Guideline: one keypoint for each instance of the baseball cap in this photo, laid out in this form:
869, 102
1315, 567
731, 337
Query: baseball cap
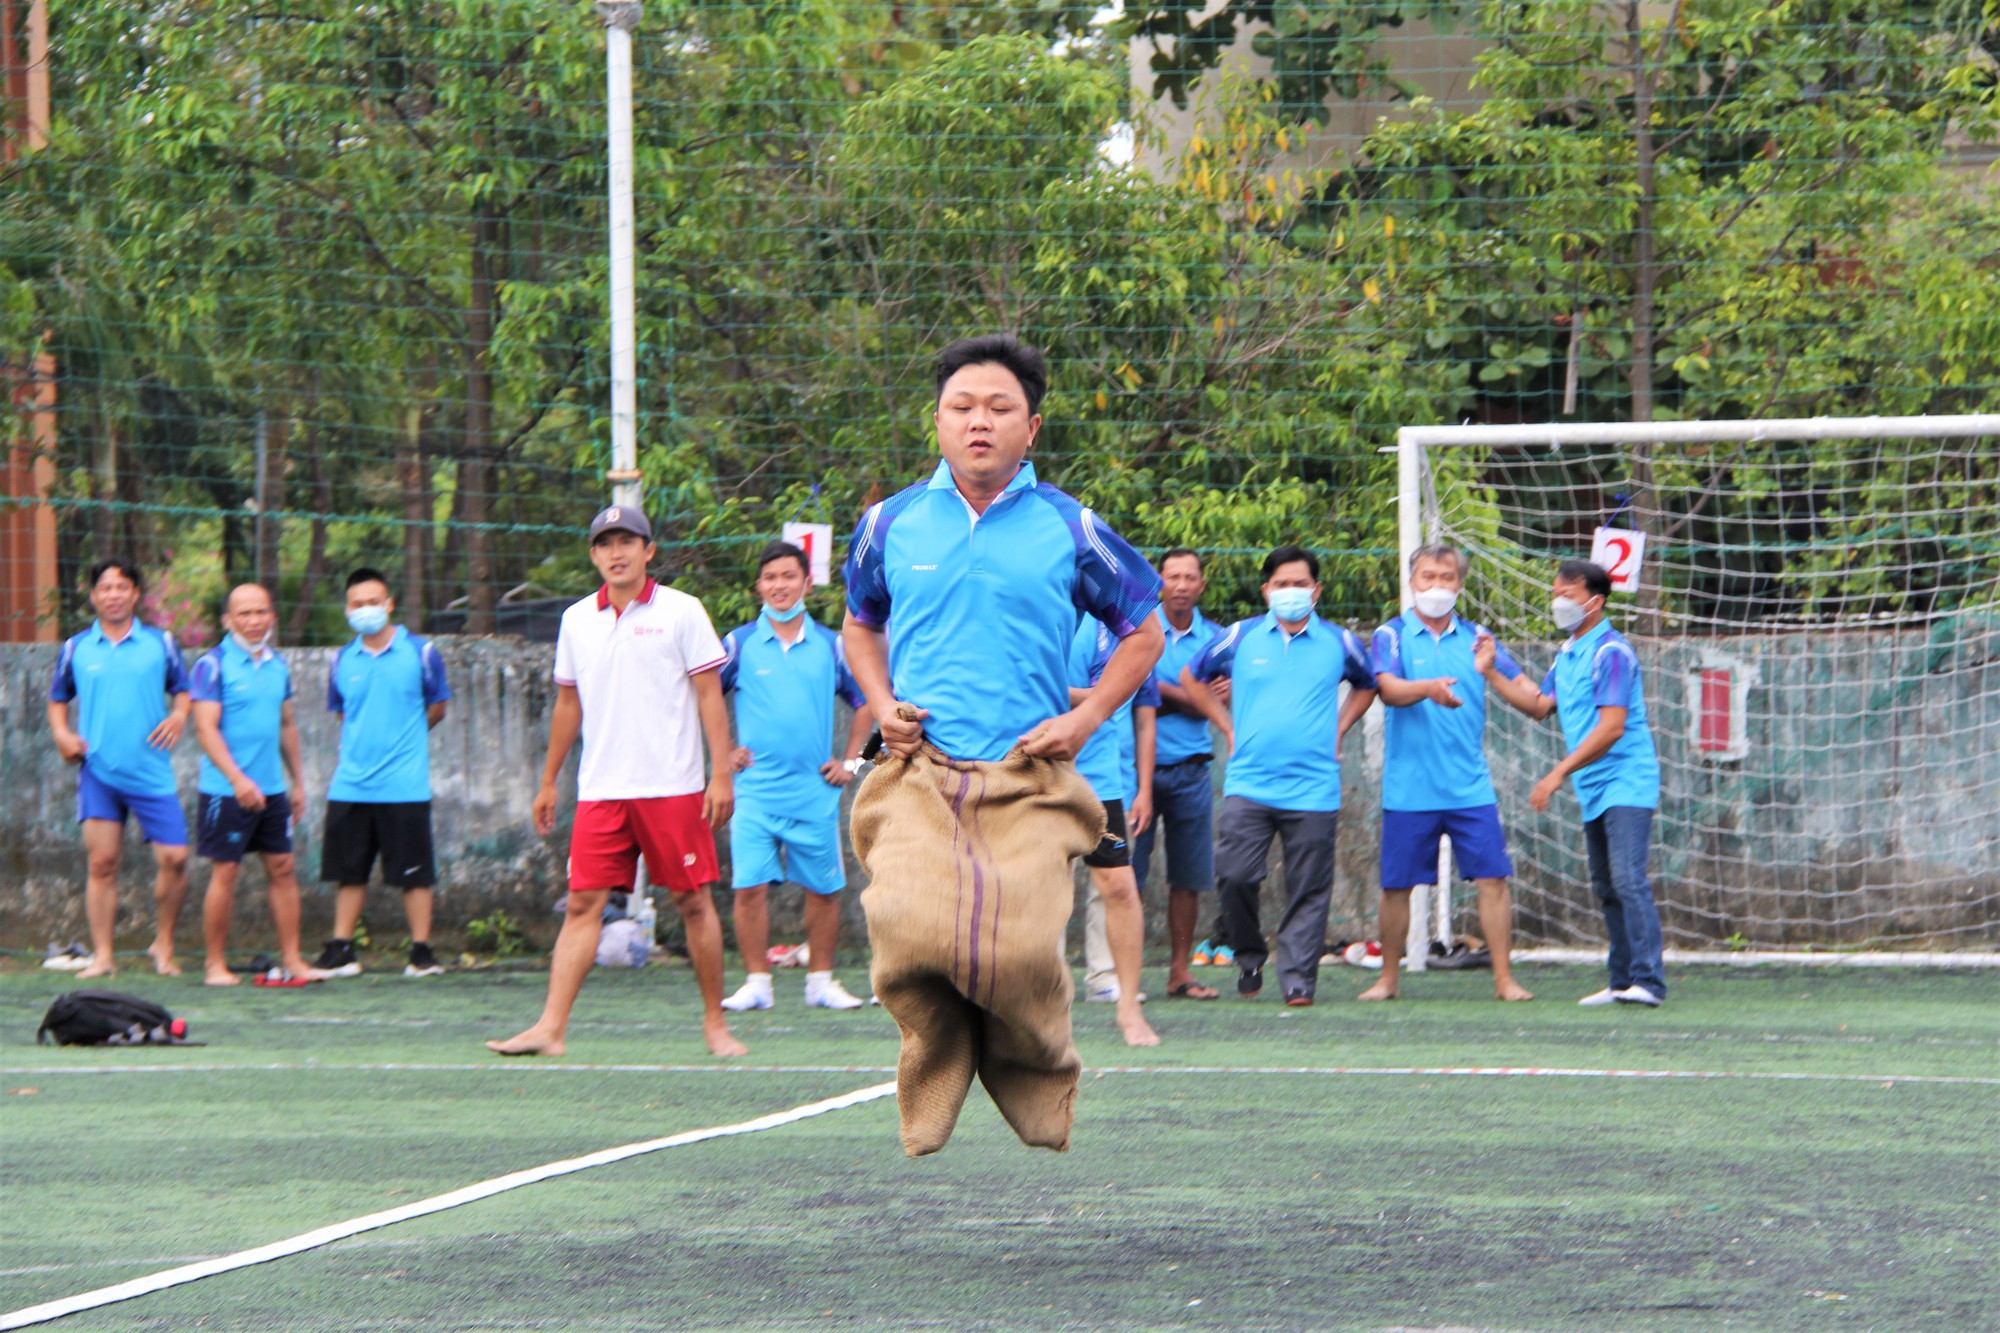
621, 519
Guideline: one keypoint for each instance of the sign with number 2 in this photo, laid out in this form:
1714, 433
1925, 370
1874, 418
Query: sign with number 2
1619, 551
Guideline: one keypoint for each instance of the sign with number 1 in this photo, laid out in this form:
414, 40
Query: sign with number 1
816, 540
1619, 551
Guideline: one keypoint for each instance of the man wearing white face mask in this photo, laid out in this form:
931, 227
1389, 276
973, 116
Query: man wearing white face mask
1283, 779
1434, 776
783, 672
1594, 690
389, 688
252, 782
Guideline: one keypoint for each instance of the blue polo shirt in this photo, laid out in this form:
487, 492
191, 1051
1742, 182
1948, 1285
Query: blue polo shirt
385, 737
1600, 670
1284, 698
121, 690
980, 610
1182, 736
784, 714
1110, 758
252, 692
1434, 758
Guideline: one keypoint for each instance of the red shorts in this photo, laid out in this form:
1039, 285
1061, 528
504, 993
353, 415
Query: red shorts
610, 836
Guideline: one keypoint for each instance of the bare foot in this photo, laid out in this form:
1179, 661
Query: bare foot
531, 1042
218, 974
99, 967
163, 961
1135, 1029
1512, 991
1381, 990
720, 1040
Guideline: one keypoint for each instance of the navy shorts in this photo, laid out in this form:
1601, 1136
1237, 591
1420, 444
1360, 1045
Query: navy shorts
1410, 845
1184, 804
228, 832
162, 822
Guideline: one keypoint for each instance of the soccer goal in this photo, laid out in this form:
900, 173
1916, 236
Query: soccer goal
1816, 607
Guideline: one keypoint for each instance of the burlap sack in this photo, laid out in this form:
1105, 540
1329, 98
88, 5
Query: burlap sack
968, 902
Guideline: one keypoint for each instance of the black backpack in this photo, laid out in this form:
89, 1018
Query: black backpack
109, 1018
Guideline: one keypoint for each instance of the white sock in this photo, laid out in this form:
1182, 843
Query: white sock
760, 981
817, 980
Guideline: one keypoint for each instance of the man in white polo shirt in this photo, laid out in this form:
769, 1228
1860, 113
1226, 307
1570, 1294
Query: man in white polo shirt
636, 679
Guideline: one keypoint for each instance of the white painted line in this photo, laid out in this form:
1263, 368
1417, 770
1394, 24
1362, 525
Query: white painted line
174, 1277
1350, 1071
1972, 959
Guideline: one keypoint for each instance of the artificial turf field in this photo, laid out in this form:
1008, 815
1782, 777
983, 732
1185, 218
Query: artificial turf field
1245, 1175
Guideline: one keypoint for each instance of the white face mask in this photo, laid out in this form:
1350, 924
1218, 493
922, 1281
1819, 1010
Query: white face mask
1567, 612
254, 649
1436, 602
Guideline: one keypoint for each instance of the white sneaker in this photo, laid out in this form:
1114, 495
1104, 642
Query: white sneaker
1637, 995
1599, 997
754, 993
1102, 993
830, 994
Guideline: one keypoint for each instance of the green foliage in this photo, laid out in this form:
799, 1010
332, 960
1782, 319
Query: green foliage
497, 934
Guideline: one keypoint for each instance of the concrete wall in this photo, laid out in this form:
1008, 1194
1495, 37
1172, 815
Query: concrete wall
1867, 805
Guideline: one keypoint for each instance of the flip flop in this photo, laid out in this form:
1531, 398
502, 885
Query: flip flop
1193, 990
277, 976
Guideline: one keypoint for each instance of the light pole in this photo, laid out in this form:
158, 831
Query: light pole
621, 20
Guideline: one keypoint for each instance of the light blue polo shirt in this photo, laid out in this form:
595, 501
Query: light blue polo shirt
385, 737
1110, 758
1600, 670
980, 613
784, 715
1434, 758
121, 693
252, 692
1182, 736
1284, 698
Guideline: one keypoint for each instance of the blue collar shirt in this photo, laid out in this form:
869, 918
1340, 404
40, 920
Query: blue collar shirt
1599, 670
383, 699
120, 688
1109, 761
1182, 736
1285, 701
980, 609
1434, 758
783, 696
252, 691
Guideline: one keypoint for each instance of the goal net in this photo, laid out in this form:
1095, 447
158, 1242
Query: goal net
1817, 615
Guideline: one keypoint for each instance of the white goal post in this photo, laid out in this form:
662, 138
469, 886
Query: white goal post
1735, 467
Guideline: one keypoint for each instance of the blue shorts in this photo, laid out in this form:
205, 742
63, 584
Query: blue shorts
225, 831
765, 848
162, 822
1410, 845
1184, 802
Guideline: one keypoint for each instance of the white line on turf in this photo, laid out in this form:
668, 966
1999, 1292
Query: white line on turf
174, 1277
1353, 1071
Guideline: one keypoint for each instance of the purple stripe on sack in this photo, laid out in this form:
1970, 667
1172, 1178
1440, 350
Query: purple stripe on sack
978, 888
998, 884
958, 903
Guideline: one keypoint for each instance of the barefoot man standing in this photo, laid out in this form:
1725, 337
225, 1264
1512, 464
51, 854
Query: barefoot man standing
636, 681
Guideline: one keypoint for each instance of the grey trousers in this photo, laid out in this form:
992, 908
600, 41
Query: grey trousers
1243, 833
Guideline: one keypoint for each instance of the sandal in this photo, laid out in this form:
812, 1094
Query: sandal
1192, 990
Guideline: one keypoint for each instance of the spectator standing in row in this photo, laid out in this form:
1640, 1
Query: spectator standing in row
108, 711
1283, 780
1183, 804
783, 673
637, 682
252, 781
1595, 691
388, 688
1435, 780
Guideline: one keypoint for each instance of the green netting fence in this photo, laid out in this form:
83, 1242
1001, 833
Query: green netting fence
306, 285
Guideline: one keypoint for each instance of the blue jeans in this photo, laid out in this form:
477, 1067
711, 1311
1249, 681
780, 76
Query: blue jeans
1619, 841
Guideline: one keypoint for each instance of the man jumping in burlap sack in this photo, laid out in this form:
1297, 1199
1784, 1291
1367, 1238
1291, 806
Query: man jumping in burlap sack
963, 593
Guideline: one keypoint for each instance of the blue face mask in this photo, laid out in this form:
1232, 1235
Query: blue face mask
786, 617
366, 620
1291, 604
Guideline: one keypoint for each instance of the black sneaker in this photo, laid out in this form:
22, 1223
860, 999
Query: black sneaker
337, 959
423, 963
1249, 981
